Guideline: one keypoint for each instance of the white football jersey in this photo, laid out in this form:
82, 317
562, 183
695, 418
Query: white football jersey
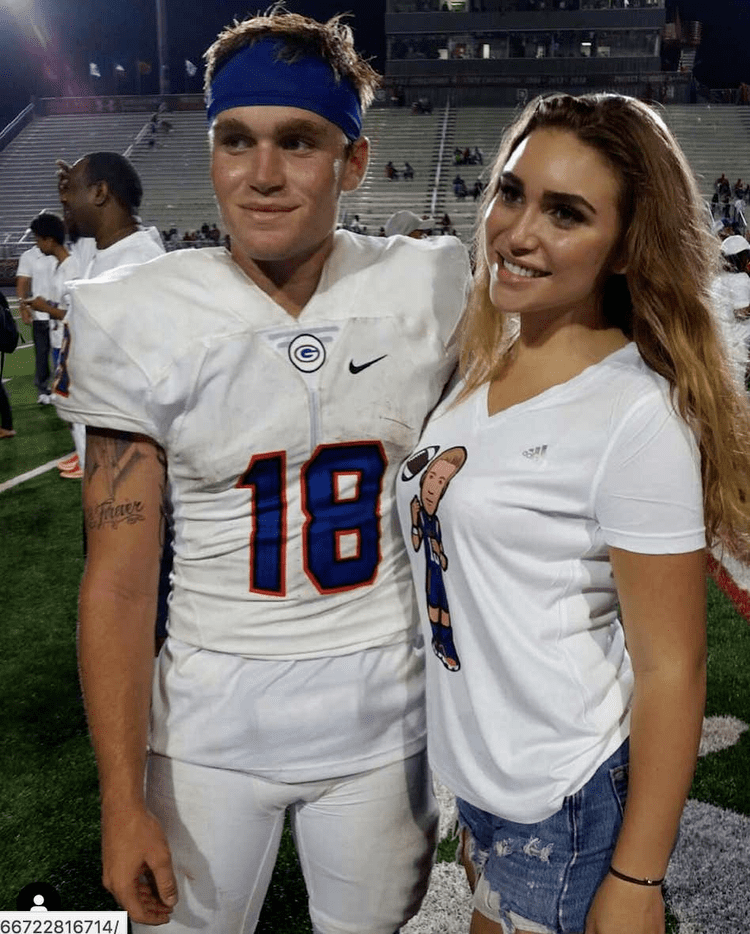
283, 436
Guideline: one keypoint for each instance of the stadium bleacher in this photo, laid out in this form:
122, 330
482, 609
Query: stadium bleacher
178, 191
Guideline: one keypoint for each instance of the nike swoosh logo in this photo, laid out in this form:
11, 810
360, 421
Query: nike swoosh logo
353, 368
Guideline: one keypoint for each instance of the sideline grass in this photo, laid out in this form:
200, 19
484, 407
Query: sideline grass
41, 435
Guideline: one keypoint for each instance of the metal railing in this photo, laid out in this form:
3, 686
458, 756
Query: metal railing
439, 168
15, 126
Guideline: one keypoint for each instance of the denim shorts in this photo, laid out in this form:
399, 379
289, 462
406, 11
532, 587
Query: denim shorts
543, 877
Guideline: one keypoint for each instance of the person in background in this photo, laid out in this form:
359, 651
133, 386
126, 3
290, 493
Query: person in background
6, 414
100, 195
602, 442
33, 278
49, 232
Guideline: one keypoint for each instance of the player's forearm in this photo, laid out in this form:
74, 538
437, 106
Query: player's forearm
115, 650
665, 732
123, 493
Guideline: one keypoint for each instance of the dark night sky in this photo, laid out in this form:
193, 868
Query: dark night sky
46, 45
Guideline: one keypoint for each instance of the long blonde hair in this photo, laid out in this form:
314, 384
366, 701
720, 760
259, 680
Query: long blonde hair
662, 301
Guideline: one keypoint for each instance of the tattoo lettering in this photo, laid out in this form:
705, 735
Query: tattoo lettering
114, 514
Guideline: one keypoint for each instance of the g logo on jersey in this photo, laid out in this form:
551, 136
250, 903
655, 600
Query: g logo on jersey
307, 353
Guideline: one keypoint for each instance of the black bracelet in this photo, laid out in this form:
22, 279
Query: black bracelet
621, 875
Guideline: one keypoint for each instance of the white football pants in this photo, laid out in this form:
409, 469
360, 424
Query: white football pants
365, 843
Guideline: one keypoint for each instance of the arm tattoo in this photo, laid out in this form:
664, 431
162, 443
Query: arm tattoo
114, 454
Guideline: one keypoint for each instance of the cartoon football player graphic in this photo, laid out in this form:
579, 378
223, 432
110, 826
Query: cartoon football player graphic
425, 526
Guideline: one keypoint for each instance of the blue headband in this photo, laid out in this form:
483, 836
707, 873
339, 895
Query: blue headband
256, 75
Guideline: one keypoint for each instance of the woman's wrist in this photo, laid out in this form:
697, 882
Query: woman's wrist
634, 879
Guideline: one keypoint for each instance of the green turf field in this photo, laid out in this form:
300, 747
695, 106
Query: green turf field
48, 792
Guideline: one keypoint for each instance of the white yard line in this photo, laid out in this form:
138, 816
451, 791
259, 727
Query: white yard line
29, 475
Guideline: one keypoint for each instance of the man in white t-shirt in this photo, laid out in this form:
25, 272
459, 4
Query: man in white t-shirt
33, 278
49, 231
267, 396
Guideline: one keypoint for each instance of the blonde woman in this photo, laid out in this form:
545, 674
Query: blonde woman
604, 443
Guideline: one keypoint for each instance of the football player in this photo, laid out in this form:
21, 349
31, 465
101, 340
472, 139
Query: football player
262, 399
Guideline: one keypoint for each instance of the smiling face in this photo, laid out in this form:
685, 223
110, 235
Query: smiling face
278, 173
551, 228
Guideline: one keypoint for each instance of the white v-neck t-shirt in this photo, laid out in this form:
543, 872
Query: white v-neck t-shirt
542, 696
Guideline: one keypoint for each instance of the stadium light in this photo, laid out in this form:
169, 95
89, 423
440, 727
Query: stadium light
21, 9
162, 44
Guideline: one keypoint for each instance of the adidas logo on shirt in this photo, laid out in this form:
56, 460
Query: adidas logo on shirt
535, 453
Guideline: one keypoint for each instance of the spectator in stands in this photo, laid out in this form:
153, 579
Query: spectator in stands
477, 189
721, 186
459, 188
445, 223
33, 278
391, 172
408, 172
477, 156
408, 224
739, 189
422, 105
